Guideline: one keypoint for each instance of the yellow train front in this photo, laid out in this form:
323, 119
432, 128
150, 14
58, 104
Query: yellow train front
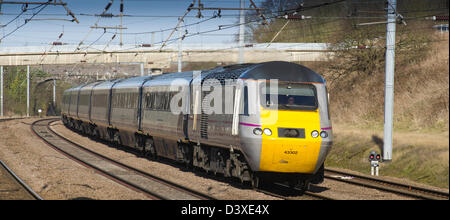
289, 124
283, 130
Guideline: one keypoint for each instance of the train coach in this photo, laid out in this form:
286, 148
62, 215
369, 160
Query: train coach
266, 121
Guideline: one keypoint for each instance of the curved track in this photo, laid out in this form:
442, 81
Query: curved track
17, 189
42, 129
152, 186
387, 186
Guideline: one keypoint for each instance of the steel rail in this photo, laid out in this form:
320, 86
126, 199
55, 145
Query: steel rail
118, 179
388, 186
141, 172
88, 165
9, 119
21, 182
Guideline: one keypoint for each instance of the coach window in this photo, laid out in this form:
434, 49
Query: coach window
148, 101
84, 100
159, 102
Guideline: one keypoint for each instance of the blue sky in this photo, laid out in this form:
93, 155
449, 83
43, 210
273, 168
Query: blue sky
150, 15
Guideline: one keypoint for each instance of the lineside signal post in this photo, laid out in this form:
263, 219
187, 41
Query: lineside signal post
374, 159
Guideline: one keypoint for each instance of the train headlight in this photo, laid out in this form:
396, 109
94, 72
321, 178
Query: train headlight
315, 134
323, 134
257, 131
267, 132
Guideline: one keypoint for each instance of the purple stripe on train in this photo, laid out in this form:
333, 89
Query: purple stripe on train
250, 125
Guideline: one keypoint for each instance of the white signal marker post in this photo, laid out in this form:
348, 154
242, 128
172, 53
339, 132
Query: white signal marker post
54, 93
180, 46
241, 58
28, 90
389, 86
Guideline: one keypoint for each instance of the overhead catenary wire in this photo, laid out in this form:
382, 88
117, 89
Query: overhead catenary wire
53, 44
180, 20
223, 27
24, 9
169, 29
228, 26
276, 35
201, 7
256, 44
42, 7
96, 23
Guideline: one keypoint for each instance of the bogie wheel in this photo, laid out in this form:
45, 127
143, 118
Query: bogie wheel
303, 186
255, 181
150, 149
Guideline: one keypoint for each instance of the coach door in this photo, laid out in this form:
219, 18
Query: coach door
193, 125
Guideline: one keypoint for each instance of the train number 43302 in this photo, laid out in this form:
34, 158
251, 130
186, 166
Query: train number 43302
294, 152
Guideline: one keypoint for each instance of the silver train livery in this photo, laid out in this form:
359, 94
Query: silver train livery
266, 121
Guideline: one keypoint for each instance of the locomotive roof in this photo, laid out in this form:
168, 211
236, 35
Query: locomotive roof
92, 84
106, 84
76, 88
283, 71
134, 82
168, 78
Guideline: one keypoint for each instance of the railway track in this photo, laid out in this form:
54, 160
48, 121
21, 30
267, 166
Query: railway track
9, 119
42, 129
13, 187
387, 186
285, 192
154, 187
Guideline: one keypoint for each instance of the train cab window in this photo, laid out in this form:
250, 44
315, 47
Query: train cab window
290, 97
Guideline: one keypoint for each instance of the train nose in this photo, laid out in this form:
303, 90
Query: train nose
294, 150
296, 143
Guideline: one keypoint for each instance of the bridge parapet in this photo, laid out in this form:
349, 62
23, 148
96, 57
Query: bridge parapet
152, 57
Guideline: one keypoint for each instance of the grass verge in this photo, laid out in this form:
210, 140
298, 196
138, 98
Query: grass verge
418, 156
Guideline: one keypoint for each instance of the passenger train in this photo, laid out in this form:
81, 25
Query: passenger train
256, 122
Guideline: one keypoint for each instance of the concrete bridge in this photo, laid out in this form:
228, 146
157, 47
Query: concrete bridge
151, 57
